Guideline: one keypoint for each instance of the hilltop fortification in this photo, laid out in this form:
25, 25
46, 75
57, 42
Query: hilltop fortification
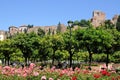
98, 18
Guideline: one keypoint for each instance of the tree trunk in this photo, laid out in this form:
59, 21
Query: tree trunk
90, 57
29, 60
25, 60
5, 61
107, 60
53, 59
34, 60
8, 60
70, 59
90, 60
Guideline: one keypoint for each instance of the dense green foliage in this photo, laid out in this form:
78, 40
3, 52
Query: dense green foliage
85, 44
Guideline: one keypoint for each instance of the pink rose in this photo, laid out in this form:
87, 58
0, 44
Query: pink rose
50, 78
43, 78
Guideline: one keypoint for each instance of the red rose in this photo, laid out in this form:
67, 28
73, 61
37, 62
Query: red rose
96, 76
74, 78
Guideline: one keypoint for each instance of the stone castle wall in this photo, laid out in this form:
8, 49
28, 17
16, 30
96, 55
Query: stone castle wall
114, 19
24, 29
98, 18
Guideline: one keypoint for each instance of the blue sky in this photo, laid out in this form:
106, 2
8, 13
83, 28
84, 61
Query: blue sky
51, 12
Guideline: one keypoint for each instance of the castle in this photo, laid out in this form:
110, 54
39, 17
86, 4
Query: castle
97, 19
26, 29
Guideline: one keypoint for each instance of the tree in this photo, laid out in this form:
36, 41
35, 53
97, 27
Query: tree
27, 43
116, 56
118, 23
30, 26
7, 49
115, 45
49, 31
95, 41
116, 36
108, 24
44, 49
71, 45
59, 27
57, 44
41, 32
82, 23
61, 55
106, 44
76, 23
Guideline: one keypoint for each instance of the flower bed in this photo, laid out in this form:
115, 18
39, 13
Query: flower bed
35, 73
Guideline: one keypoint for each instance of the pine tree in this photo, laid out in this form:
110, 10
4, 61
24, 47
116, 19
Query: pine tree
59, 27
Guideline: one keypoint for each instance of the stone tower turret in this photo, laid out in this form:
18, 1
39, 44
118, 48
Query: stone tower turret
13, 30
98, 18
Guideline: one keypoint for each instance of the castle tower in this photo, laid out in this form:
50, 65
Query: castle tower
61, 28
23, 29
98, 18
114, 19
13, 30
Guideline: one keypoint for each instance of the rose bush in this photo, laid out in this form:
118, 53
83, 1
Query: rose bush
34, 72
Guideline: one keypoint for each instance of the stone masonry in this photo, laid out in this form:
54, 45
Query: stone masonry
98, 18
114, 19
24, 29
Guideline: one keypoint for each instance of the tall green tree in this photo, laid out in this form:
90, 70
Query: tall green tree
59, 28
95, 41
57, 44
116, 36
26, 43
44, 48
107, 43
6, 47
71, 45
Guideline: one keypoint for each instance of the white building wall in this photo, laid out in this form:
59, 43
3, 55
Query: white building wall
1, 37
